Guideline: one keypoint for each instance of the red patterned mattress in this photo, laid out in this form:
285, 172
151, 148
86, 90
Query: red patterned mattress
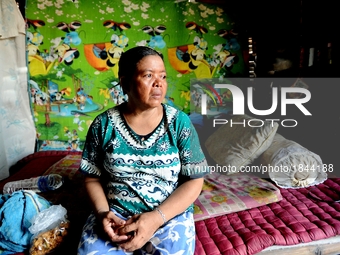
302, 216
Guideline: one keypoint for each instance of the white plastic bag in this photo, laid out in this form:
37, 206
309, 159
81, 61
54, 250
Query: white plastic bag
49, 227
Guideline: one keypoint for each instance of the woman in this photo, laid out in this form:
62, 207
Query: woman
143, 168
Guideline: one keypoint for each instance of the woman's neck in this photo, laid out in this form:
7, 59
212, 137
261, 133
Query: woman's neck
142, 122
134, 110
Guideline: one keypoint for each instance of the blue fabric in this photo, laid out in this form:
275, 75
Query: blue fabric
16, 212
177, 236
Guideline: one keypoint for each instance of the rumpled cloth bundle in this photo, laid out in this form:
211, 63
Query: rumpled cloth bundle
293, 165
16, 213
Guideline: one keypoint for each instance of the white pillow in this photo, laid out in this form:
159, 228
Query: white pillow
291, 165
237, 145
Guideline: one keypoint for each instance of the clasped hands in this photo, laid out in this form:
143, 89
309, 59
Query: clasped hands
133, 233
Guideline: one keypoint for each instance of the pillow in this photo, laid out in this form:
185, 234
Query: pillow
290, 165
67, 166
233, 146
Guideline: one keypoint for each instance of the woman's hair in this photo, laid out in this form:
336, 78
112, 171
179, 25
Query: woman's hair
129, 59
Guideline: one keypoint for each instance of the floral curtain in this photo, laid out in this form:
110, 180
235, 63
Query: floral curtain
74, 47
17, 129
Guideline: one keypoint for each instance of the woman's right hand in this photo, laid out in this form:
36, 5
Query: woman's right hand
111, 225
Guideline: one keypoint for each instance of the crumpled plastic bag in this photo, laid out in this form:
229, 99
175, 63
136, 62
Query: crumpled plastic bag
49, 229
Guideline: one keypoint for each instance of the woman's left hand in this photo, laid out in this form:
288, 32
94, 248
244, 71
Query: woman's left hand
140, 227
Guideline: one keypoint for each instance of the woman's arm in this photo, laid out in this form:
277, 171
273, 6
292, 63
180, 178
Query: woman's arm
96, 195
110, 222
181, 198
146, 224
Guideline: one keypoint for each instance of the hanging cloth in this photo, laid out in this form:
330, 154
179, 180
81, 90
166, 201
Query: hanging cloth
17, 131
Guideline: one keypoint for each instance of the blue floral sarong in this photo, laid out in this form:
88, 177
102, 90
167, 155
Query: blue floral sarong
177, 236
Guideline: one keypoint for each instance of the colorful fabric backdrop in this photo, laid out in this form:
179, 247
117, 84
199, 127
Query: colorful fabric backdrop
74, 47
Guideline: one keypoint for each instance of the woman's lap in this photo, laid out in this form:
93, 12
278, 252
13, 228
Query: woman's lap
176, 236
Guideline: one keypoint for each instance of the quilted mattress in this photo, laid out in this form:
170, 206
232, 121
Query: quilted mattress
303, 215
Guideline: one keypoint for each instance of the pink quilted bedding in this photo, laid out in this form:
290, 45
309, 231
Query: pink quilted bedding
303, 215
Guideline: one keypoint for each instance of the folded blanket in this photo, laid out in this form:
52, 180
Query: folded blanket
16, 212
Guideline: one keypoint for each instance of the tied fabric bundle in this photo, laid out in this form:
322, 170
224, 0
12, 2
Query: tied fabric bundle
16, 213
293, 166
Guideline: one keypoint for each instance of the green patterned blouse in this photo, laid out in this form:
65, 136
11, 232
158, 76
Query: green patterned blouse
139, 173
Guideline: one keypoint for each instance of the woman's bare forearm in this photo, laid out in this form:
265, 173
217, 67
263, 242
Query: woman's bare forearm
181, 198
96, 195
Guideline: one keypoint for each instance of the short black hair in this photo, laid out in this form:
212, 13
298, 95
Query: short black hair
129, 59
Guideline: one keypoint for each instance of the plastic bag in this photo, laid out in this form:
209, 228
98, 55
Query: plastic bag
49, 228
37, 184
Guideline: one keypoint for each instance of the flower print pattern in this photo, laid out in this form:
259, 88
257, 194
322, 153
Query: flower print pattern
176, 237
115, 143
186, 154
164, 146
185, 134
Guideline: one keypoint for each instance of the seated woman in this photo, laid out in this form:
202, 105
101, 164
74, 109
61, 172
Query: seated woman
143, 168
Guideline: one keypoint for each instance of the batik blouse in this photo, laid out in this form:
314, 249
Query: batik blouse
139, 173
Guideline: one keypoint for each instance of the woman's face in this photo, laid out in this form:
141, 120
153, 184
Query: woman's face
148, 86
